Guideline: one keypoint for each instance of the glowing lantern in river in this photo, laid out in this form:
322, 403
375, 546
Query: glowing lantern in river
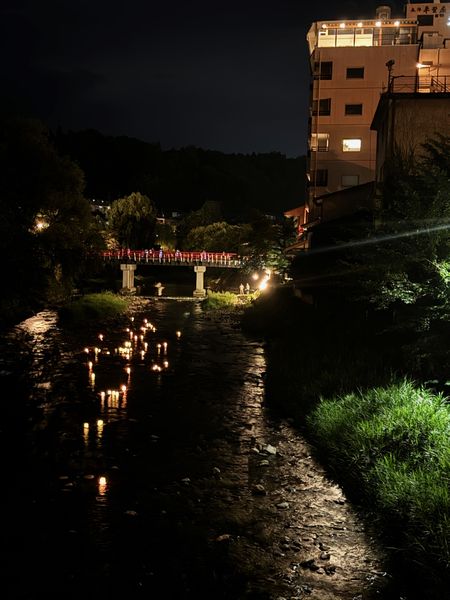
102, 485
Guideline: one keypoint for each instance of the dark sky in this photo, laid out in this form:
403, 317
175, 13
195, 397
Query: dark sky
229, 76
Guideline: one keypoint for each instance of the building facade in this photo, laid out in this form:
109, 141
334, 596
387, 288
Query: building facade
353, 62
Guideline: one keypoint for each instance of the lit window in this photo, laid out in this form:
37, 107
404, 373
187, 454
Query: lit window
351, 145
320, 142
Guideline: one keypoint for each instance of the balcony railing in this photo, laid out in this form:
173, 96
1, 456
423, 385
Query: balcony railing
402, 84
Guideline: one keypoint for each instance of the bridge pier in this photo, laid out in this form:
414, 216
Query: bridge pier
199, 291
128, 270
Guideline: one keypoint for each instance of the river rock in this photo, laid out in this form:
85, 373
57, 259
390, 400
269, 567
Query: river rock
270, 449
259, 490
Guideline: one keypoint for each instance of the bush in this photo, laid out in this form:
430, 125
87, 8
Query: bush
217, 300
93, 307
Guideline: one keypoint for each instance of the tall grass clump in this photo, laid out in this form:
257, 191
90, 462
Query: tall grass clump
93, 307
218, 300
392, 444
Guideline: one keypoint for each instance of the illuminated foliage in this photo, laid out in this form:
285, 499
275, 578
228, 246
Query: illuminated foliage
132, 221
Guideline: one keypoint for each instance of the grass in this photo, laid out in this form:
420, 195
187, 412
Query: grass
93, 307
393, 444
218, 300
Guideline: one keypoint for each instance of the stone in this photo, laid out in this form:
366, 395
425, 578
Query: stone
259, 490
270, 449
310, 564
282, 505
225, 537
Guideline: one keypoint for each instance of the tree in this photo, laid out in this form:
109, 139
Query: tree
415, 232
266, 243
209, 213
217, 237
165, 236
132, 221
46, 229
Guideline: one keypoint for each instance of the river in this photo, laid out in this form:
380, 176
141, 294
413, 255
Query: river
142, 461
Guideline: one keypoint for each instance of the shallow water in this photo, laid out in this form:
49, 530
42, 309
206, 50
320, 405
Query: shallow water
180, 482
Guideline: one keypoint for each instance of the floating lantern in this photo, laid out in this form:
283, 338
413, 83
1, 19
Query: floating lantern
86, 350
178, 334
100, 337
102, 485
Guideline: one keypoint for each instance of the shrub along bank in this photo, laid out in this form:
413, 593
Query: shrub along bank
93, 307
385, 438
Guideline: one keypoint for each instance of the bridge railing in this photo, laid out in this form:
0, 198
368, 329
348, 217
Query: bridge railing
226, 259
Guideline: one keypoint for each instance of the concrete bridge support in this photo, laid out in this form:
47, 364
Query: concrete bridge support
128, 277
199, 291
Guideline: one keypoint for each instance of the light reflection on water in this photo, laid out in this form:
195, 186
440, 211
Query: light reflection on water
119, 416
39, 324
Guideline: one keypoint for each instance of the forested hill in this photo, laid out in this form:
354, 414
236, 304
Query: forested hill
186, 178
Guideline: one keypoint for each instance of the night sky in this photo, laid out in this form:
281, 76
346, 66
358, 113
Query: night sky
230, 76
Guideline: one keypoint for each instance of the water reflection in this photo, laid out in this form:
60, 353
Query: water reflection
156, 427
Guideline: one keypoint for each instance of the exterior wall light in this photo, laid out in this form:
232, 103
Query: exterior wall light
342, 25
397, 23
378, 24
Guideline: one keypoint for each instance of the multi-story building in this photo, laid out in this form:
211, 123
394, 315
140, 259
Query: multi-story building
353, 62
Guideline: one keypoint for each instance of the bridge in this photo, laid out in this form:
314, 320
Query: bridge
129, 259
